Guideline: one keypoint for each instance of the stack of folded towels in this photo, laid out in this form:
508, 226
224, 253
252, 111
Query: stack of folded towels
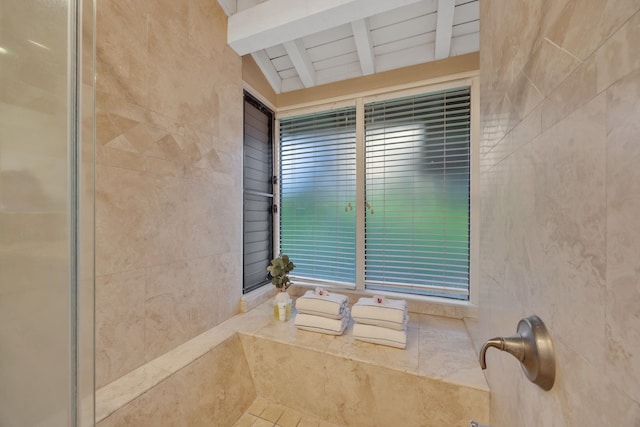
380, 321
321, 311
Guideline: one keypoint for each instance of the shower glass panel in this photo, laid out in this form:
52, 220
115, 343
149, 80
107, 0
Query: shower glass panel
46, 212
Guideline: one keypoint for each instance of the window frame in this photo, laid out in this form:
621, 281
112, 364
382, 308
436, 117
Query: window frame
359, 100
412, 97
310, 156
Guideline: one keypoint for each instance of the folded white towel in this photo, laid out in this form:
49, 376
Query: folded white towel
329, 305
390, 314
379, 335
324, 325
383, 323
377, 301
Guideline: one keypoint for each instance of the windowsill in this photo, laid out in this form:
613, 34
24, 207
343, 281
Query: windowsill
416, 304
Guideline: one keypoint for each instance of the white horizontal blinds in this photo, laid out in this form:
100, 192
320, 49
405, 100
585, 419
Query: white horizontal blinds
258, 194
318, 194
417, 194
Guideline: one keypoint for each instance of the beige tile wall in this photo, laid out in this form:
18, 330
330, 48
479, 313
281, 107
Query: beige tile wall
560, 231
213, 390
334, 379
169, 178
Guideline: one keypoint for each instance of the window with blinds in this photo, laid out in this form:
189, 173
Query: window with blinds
318, 194
258, 193
417, 156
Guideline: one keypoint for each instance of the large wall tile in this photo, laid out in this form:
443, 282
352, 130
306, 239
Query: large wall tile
278, 359
169, 174
620, 54
558, 222
226, 270
347, 391
574, 92
140, 219
524, 95
106, 156
121, 49
548, 66
214, 390
368, 395
570, 210
623, 234
120, 209
119, 324
180, 303
205, 27
584, 24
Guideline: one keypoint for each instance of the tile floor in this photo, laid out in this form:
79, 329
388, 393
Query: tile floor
263, 413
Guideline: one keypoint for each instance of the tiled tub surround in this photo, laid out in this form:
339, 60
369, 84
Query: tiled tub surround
168, 178
214, 378
560, 186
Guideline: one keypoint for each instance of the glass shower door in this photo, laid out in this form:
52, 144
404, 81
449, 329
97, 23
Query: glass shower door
46, 213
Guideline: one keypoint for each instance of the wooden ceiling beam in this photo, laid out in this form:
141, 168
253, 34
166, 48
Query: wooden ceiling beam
276, 21
362, 36
298, 55
267, 68
444, 28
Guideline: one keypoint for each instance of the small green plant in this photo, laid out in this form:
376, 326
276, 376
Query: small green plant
279, 272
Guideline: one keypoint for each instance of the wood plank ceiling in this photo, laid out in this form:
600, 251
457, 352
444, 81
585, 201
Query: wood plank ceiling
305, 43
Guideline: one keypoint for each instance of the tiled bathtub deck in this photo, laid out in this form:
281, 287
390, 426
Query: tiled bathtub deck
310, 367
437, 347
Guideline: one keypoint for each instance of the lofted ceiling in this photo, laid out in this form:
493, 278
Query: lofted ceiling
304, 43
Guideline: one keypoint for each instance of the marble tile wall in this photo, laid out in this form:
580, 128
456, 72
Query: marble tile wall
346, 383
560, 234
169, 184
213, 390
